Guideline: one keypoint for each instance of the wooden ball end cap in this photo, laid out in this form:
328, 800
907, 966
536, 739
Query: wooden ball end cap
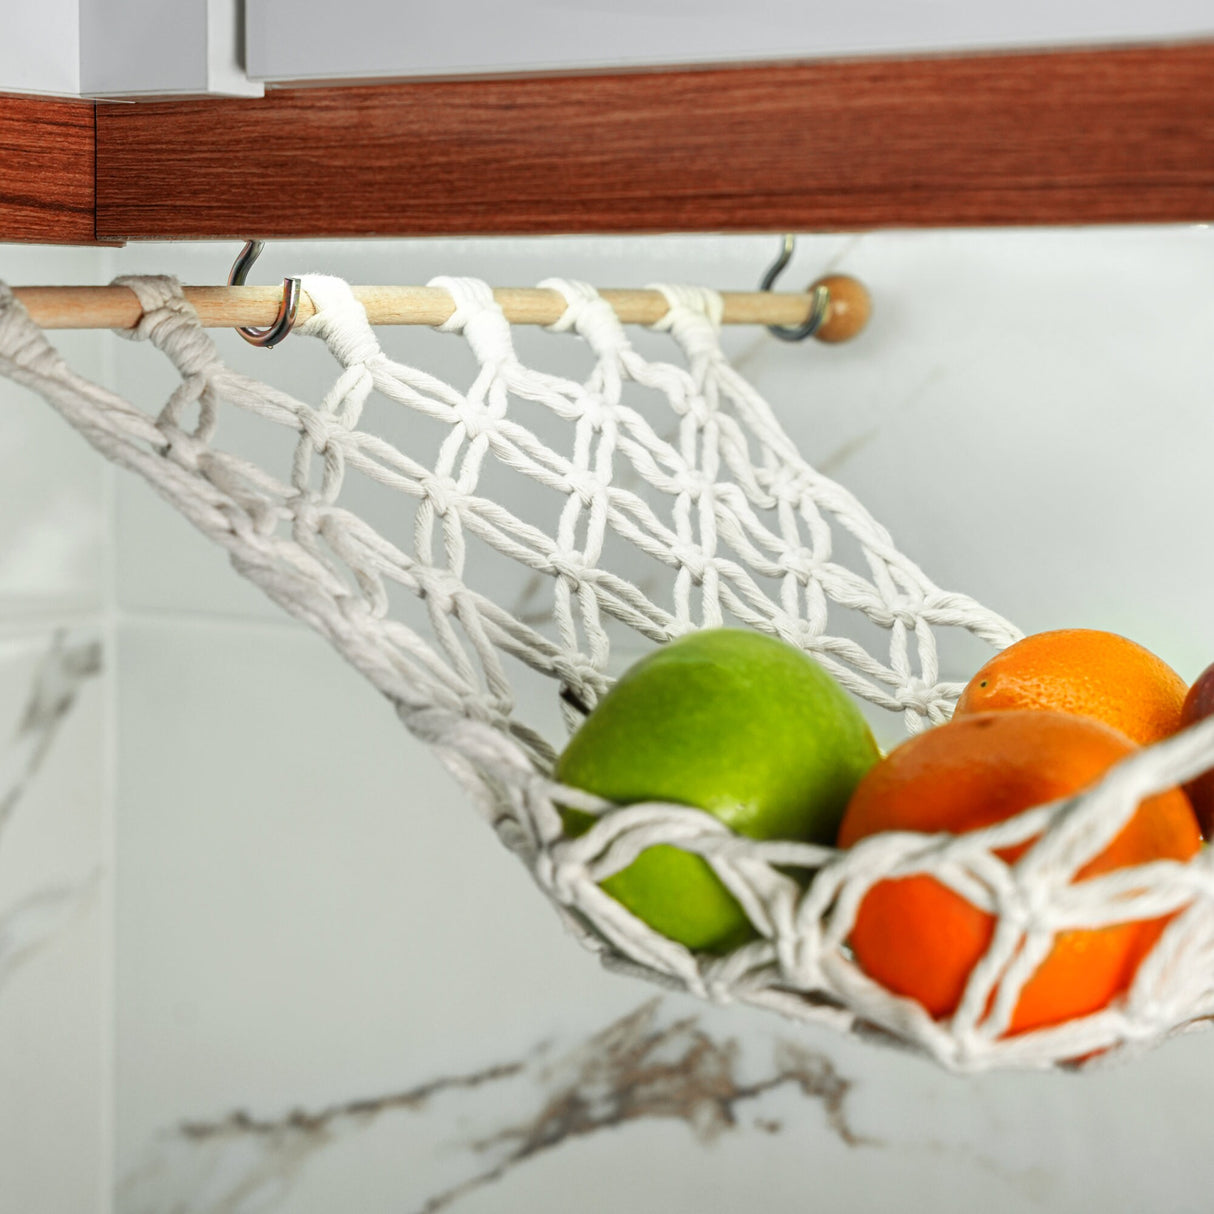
849, 309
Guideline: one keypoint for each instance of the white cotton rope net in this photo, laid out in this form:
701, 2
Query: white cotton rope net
679, 468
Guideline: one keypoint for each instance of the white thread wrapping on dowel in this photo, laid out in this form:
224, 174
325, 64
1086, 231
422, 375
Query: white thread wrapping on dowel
723, 508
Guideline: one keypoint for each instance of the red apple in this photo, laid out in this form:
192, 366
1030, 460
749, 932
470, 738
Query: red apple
1199, 704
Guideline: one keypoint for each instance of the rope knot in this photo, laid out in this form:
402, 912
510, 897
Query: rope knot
789, 485
157, 293
590, 316
21, 341
694, 561
182, 447
694, 483
579, 299
802, 564
170, 323
917, 694
585, 486
488, 336
442, 492
440, 587
693, 319
478, 318
304, 513
319, 427
593, 409
567, 564
340, 321
903, 610
566, 878
474, 421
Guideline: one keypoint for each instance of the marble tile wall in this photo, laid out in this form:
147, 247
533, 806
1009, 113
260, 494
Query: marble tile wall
56, 828
332, 989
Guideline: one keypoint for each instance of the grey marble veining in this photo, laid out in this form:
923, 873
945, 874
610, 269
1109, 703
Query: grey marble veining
31, 920
655, 1063
55, 943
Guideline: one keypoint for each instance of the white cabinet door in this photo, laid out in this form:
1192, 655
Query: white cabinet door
40, 47
316, 39
132, 48
142, 48
124, 48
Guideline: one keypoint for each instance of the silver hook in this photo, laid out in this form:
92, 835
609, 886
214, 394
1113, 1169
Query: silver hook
819, 304
284, 322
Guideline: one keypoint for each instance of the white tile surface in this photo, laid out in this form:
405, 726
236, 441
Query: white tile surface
305, 893
55, 1042
55, 954
53, 526
310, 916
315, 931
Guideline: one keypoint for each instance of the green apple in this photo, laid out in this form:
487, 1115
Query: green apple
741, 725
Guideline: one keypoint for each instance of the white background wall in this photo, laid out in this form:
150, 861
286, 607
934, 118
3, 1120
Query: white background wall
308, 915
56, 788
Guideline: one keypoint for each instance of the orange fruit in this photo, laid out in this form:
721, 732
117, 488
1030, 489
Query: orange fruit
918, 938
1084, 671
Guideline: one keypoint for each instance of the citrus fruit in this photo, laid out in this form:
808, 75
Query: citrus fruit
918, 938
1199, 704
1084, 671
735, 723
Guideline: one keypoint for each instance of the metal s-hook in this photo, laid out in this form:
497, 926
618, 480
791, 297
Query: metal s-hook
819, 305
284, 322
840, 305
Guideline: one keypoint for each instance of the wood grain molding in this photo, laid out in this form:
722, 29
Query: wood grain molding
46, 170
1064, 137
1120, 135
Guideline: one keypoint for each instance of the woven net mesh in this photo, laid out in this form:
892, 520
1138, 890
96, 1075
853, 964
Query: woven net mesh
647, 498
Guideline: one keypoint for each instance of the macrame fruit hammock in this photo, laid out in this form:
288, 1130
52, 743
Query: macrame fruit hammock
704, 488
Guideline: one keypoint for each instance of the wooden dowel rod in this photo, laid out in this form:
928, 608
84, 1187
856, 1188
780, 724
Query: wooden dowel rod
255, 307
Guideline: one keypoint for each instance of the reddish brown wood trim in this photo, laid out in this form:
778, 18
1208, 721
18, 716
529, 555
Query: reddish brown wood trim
1068, 137
46, 170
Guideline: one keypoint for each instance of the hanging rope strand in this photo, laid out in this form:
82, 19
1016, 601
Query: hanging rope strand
533, 518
